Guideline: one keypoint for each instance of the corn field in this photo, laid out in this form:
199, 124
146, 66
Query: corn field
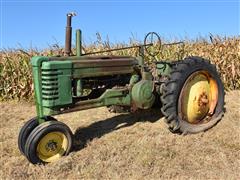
224, 52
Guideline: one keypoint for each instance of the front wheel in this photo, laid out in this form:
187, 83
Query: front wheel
48, 142
27, 129
193, 97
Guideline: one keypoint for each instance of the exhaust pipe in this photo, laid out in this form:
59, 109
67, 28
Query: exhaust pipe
68, 39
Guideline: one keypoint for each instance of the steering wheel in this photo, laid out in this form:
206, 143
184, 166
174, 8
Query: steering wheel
152, 43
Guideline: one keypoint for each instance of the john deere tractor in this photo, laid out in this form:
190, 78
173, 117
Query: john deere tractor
189, 91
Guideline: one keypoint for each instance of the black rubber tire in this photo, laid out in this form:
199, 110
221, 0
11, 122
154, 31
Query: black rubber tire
39, 132
27, 129
172, 89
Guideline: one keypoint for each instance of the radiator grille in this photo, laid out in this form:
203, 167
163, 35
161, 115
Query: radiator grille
50, 88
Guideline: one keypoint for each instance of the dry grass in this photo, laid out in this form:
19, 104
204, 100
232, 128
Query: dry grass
122, 146
16, 77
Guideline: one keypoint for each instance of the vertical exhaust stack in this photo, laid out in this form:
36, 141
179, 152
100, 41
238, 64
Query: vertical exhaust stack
68, 39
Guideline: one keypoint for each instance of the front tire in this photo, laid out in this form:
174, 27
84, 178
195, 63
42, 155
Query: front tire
48, 142
27, 129
193, 97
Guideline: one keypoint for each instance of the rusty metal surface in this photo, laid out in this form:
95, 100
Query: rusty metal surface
102, 57
204, 100
68, 38
98, 72
103, 67
103, 63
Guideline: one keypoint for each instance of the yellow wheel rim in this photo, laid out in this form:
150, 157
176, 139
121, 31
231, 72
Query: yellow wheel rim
198, 98
52, 146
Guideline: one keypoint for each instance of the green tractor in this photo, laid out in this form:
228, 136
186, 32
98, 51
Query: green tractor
189, 92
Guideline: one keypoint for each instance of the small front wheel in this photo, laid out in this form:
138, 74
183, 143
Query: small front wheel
48, 142
27, 129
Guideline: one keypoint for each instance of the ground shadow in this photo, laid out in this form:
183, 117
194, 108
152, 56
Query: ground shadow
100, 128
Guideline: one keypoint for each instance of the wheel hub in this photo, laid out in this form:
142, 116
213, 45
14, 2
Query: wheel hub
198, 97
51, 146
203, 100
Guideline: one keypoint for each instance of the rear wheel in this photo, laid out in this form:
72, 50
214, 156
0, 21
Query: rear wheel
193, 97
48, 142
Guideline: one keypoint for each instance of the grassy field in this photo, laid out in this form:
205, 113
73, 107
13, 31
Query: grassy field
224, 52
125, 146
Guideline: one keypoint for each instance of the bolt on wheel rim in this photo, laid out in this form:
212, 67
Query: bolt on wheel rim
52, 146
198, 98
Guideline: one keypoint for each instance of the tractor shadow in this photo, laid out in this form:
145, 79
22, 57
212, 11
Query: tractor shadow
98, 129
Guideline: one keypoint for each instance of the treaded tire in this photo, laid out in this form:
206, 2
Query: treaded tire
172, 89
27, 129
39, 132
